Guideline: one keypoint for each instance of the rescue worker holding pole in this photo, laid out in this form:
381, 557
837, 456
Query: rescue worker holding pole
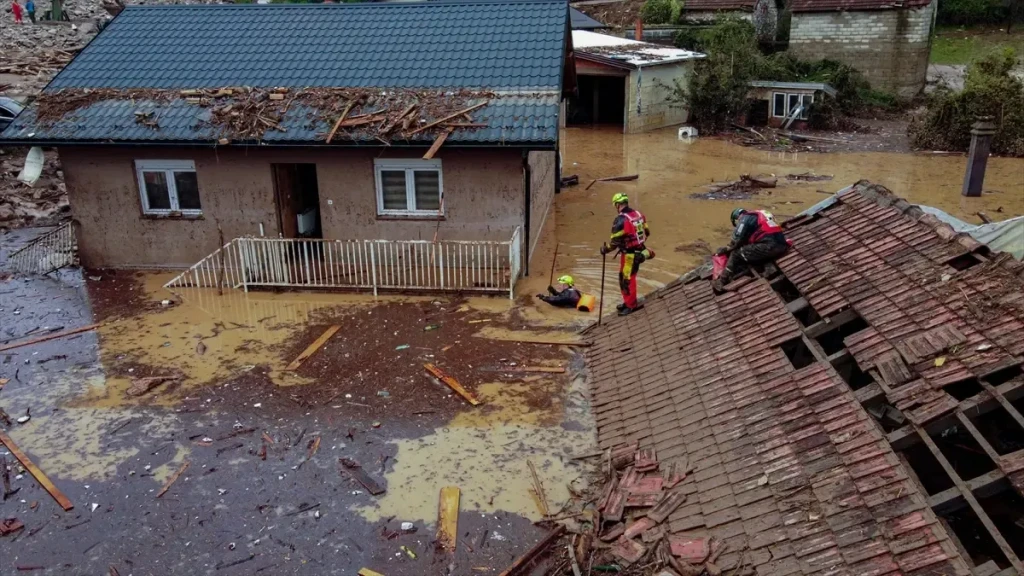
757, 239
629, 235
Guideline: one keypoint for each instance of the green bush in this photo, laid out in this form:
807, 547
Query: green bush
989, 90
661, 11
973, 12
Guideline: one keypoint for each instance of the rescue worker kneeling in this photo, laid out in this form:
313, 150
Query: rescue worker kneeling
757, 239
629, 235
568, 296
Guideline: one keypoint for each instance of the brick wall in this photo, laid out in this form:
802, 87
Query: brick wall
890, 47
656, 109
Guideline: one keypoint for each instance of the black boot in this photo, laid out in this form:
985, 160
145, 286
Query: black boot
620, 307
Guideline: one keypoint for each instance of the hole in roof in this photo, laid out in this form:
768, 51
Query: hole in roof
964, 389
964, 261
1004, 434
807, 316
974, 537
1006, 510
832, 341
785, 289
887, 416
798, 353
930, 473
851, 373
1005, 375
963, 452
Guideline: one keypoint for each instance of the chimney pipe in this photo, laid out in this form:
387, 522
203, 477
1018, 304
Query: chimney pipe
638, 33
977, 159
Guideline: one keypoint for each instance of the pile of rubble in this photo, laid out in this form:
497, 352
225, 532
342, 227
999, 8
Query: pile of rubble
624, 529
245, 113
42, 204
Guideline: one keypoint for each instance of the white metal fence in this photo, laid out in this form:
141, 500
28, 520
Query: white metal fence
55, 249
402, 265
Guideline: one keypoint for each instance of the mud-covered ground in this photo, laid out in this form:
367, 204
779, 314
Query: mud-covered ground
263, 492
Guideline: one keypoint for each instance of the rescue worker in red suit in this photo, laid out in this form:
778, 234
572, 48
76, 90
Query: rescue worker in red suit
629, 234
757, 239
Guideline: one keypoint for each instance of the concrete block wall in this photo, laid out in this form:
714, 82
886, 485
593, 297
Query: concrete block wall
890, 47
656, 108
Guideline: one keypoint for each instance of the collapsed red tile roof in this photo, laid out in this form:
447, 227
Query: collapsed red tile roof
788, 467
852, 5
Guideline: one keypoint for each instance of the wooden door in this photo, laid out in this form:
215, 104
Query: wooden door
284, 196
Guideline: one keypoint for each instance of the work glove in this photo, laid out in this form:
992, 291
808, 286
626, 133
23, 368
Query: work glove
540, 296
605, 249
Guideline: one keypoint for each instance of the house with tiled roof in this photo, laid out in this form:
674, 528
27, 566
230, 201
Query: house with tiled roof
182, 127
855, 408
887, 40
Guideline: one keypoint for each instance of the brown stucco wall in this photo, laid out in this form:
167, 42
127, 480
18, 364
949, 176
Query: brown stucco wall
484, 199
543, 172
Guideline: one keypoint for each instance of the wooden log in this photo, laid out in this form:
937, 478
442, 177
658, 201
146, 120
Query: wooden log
51, 337
45, 482
344, 114
452, 383
538, 488
398, 119
448, 517
534, 552
624, 178
316, 345
355, 470
174, 478
449, 117
437, 143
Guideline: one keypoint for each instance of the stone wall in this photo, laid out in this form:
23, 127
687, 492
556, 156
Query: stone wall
651, 85
890, 47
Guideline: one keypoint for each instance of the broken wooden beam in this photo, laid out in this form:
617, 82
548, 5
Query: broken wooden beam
449, 117
452, 383
174, 478
312, 348
45, 482
624, 178
538, 488
355, 470
532, 554
344, 114
398, 119
51, 337
437, 143
448, 517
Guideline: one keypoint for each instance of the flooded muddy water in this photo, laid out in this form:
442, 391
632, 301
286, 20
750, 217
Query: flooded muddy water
684, 229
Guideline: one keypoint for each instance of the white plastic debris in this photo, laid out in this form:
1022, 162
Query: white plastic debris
165, 302
94, 507
24, 419
406, 526
498, 536
983, 347
258, 405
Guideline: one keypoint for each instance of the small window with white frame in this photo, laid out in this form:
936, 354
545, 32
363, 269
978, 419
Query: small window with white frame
784, 104
408, 187
168, 187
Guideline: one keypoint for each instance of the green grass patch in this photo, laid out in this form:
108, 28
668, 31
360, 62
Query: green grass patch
963, 46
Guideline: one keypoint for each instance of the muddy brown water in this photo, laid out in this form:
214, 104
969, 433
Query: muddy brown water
671, 170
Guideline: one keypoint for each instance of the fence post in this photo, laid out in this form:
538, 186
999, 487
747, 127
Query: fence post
512, 266
373, 267
242, 249
440, 261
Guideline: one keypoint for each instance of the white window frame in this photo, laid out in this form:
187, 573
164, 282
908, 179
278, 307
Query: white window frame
787, 95
409, 165
168, 167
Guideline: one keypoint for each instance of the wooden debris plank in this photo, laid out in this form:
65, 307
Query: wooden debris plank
173, 479
391, 126
448, 517
449, 117
624, 178
51, 337
368, 572
355, 470
313, 347
532, 553
452, 383
45, 482
538, 488
437, 143
344, 114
